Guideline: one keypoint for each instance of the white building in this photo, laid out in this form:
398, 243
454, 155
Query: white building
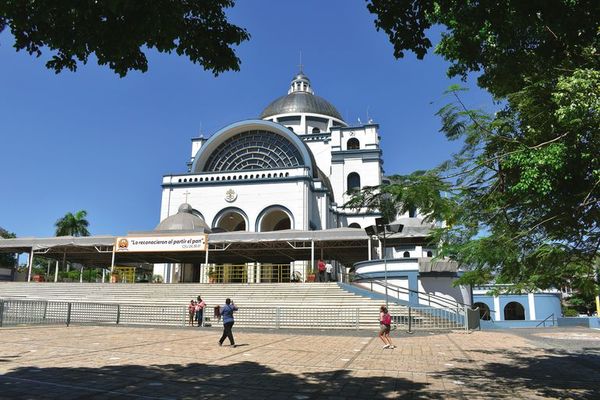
291, 169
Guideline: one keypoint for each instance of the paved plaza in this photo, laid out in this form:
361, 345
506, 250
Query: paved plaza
149, 363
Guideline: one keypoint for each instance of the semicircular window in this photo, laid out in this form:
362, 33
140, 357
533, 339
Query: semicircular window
254, 150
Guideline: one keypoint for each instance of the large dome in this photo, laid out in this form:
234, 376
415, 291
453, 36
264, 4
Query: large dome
301, 99
301, 102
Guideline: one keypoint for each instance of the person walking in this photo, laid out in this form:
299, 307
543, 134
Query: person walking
200, 304
191, 310
329, 271
321, 267
227, 313
385, 325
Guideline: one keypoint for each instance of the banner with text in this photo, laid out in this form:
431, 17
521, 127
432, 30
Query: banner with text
161, 243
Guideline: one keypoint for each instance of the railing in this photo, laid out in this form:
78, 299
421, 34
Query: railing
429, 318
487, 313
36, 312
546, 319
429, 299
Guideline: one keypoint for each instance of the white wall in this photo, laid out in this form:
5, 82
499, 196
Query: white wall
209, 199
442, 286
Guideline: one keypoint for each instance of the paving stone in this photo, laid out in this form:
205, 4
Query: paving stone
87, 362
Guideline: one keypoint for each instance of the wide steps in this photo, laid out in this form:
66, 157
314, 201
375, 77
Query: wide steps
307, 296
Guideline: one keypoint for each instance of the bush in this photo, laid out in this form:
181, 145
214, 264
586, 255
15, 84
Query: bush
570, 312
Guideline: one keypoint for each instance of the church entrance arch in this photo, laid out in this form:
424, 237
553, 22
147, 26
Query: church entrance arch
231, 219
274, 218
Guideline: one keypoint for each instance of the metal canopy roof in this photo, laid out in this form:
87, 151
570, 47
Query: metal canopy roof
347, 245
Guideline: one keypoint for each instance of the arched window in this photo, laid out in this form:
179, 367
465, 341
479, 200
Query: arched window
316, 130
514, 311
354, 225
429, 253
406, 254
353, 182
353, 144
484, 311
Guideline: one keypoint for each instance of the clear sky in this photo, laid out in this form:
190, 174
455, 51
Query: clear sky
91, 140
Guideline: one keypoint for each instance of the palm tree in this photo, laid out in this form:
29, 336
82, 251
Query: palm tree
73, 225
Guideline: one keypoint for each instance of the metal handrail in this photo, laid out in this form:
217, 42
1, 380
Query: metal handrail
488, 312
431, 298
42, 312
546, 319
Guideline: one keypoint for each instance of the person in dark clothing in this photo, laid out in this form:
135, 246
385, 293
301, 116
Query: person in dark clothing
227, 314
322, 269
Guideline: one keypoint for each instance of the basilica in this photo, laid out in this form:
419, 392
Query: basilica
293, 168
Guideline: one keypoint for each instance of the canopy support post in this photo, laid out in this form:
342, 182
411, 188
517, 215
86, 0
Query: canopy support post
29, 265
202, 276
65, 259
56, 271
312, 257
370, 244
112, 264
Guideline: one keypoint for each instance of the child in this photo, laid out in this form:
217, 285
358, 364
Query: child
191, 312
385, 321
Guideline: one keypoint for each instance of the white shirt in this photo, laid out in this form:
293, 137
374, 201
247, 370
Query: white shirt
328, 268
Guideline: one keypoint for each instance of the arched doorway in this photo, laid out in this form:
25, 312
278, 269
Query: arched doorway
514, 311
484, 311
230, 220
274, 218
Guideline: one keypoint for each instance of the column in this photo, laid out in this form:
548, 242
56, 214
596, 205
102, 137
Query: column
531, 303
413, 284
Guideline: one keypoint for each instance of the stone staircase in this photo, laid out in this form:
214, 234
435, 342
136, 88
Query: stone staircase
325, 296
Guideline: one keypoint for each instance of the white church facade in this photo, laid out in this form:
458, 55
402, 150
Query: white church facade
290, 169
293, 168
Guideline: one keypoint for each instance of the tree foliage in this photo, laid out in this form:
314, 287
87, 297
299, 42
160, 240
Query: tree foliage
118, 31
7, 260
522, 197
73, 224
512, 43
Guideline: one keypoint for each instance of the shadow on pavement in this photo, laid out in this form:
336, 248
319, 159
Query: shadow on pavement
243, 380
555, 374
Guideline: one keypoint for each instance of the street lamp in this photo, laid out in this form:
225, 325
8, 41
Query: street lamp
380, 228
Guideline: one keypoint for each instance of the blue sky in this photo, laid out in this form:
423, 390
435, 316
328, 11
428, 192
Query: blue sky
91, 140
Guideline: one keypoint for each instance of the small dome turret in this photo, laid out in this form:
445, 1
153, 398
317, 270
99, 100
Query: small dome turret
184, 220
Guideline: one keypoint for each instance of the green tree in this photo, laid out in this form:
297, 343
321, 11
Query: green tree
117, 32
73, 224
7, 259
522, 198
